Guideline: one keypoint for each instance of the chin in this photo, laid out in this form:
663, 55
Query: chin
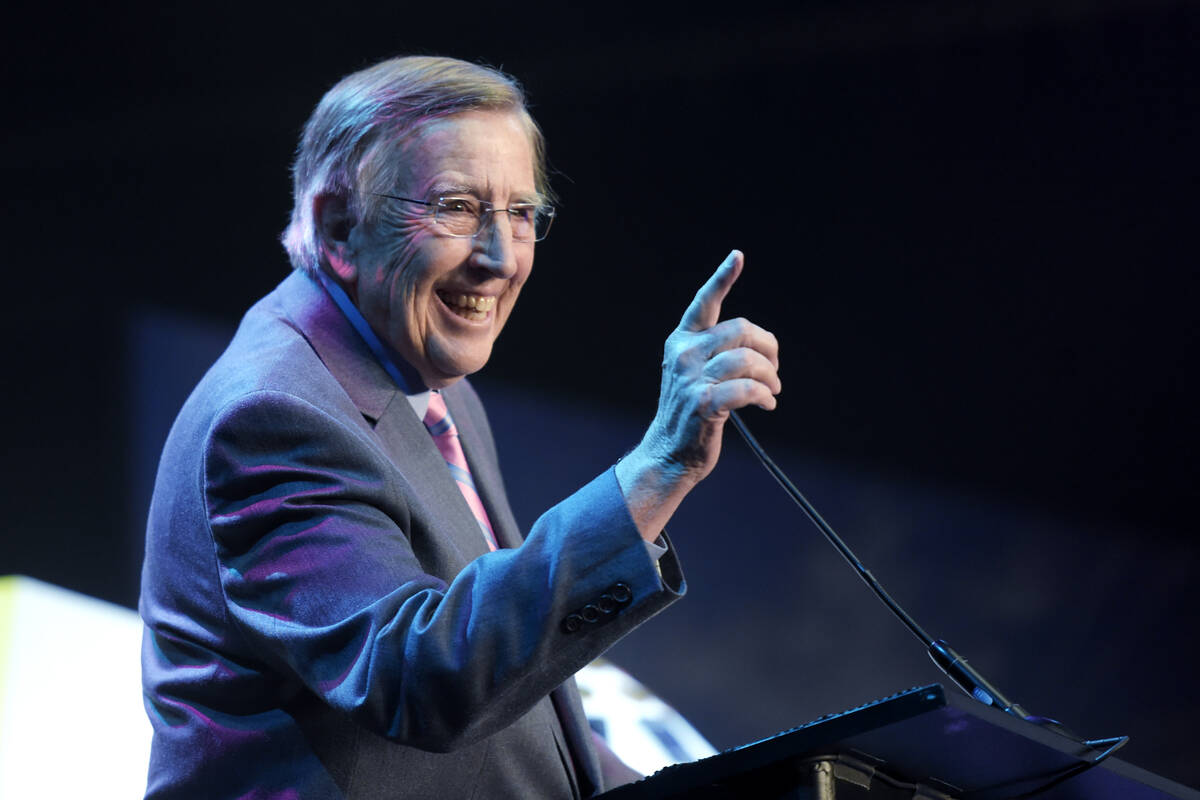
447, 371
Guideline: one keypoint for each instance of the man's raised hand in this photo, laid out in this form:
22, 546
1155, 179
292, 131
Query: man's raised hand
710, 368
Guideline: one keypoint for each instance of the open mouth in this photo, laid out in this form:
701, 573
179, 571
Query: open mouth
472, 307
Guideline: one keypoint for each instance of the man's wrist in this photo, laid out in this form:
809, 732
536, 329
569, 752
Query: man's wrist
653, 489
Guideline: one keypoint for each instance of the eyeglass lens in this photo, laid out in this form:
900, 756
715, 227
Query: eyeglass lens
462, 216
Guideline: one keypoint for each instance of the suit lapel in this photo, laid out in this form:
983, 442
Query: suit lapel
484, 470
337, 344
435, 496
412, 450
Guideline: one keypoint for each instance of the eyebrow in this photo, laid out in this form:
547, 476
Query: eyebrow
444, 189
452, 188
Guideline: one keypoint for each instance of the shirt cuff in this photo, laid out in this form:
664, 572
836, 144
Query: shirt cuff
656, 550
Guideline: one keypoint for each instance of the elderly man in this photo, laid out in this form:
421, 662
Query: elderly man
338, 601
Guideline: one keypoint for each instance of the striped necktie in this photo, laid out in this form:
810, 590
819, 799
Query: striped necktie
445, 436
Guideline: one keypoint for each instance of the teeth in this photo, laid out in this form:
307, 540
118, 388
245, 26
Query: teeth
471, 301
471, 306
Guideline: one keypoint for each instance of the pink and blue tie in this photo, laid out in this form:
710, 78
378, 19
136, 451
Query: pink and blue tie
445, 436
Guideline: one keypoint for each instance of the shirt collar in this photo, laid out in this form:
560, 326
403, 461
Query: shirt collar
406, 378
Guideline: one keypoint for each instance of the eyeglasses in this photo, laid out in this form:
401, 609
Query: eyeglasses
462, 217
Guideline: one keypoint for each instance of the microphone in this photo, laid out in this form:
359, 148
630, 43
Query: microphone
948, 661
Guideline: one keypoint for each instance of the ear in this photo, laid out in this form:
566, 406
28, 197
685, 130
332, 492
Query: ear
333, 222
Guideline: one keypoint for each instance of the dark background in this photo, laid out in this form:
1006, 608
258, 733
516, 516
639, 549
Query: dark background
972, 227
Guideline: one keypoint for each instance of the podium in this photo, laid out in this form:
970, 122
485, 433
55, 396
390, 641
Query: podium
922, 744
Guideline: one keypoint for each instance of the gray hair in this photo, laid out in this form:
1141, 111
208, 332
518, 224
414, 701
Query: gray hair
348, 140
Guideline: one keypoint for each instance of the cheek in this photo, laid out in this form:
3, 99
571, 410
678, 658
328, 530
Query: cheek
410, 277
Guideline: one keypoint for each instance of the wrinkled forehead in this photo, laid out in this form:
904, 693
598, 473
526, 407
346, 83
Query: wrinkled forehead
476, 145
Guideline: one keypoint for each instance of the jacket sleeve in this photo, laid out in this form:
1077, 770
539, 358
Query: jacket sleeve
312, 529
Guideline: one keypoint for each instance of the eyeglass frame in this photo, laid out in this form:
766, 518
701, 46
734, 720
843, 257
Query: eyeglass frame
544, 209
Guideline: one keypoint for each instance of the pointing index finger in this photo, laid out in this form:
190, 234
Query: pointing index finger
705, 309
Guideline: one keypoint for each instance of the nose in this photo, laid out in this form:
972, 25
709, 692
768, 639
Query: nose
493, 247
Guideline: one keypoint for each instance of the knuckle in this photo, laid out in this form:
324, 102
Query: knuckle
673, 347
741, 361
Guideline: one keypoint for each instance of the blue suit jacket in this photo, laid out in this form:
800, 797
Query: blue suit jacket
323, 618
